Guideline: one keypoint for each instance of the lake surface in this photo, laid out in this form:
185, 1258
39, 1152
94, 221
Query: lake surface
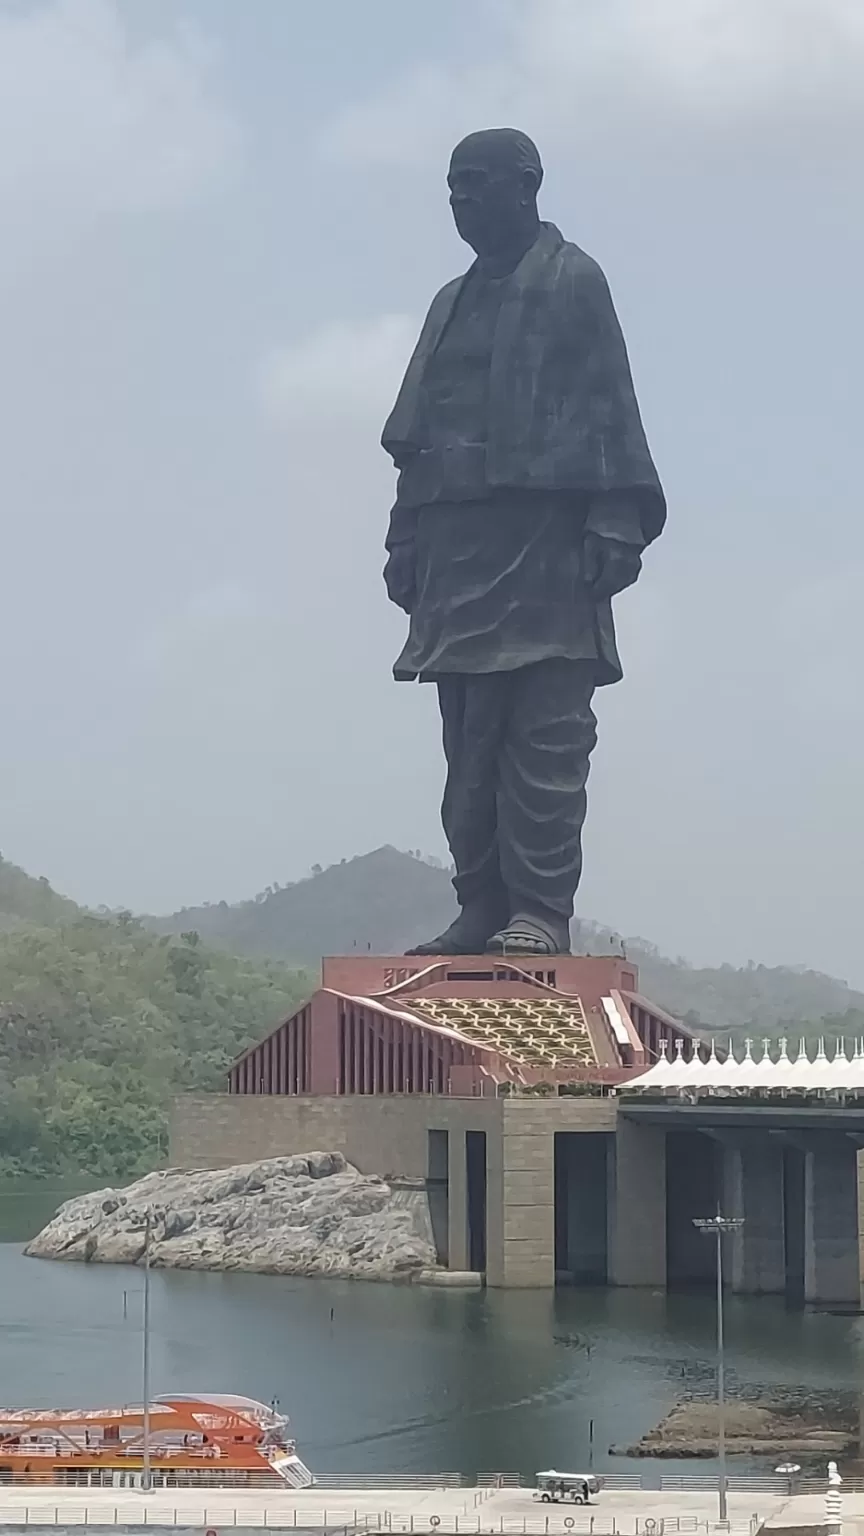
385, 1378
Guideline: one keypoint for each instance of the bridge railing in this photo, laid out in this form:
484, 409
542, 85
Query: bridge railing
255, 1482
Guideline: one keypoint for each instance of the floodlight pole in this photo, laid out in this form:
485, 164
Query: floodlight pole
146, 1478
716, 1226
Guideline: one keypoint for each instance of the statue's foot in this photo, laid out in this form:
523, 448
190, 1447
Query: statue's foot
531, 936
468, 935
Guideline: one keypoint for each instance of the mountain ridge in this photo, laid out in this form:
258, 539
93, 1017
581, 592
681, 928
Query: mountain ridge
385, 900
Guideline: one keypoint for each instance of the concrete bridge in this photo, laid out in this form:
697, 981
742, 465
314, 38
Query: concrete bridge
791, 1172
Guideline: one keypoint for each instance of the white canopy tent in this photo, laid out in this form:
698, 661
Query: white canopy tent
774, 1071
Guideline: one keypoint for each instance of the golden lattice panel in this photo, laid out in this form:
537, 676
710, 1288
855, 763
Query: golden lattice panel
542, 1032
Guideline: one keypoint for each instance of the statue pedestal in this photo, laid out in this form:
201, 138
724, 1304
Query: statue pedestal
590, 976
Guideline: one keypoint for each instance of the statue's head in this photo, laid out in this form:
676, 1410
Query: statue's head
494, 179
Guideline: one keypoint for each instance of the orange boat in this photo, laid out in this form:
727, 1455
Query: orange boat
192, 1439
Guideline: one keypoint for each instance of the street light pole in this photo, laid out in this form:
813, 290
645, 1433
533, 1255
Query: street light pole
721, 1379
146, 1482
717, 1226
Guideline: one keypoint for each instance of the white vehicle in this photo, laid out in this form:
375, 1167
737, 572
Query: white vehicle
578, 1487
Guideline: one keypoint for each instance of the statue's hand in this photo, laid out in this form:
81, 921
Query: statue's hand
399, 576
610, 564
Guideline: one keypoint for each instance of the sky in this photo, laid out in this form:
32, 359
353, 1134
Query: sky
222, 225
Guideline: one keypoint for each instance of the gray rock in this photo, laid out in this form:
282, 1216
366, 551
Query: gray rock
177, 1222
311, 1215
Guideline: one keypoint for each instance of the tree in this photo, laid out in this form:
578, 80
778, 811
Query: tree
103, 1023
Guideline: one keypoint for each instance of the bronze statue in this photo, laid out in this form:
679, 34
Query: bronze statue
526, 496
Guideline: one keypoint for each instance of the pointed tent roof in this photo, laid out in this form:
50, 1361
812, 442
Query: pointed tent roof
773, 1071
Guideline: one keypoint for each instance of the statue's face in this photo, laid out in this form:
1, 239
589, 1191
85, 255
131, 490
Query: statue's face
488, 198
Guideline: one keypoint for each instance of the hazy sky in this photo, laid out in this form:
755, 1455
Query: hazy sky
222, 222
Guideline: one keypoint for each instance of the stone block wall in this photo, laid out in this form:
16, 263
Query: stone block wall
384, 1135
389, 1136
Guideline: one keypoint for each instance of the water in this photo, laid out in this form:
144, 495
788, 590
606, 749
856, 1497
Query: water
26, 1206
383, 1378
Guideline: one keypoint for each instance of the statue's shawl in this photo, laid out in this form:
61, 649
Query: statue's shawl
562, 408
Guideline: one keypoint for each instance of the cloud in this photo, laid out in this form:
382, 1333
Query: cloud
559, 68
342, 373
91, 121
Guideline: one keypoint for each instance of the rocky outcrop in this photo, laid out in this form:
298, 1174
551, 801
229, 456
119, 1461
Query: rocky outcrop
311, 1215
780, 1422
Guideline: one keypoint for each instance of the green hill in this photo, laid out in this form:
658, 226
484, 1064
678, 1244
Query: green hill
25, 900
102, 1022
752, 1000
382, 902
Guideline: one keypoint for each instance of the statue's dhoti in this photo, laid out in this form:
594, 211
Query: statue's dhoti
518, 746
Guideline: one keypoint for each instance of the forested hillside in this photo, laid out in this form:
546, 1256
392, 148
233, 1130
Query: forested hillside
25, 900
752, 1000
101, 1022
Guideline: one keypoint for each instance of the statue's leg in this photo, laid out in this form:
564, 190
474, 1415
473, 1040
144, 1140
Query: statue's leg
551, 732
474, 716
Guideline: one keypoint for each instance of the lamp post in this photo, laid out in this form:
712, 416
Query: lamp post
146, 1480
716, 1226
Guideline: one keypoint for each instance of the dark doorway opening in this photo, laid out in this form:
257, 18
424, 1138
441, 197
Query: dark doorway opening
437, 1191
581, 1186
475, 1167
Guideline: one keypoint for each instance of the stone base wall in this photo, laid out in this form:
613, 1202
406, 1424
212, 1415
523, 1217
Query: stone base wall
390, 1137
387, 1136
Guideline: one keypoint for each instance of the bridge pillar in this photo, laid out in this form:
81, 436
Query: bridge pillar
753, 1190
638, 1254
831, 1268
457, 1202
859, 1158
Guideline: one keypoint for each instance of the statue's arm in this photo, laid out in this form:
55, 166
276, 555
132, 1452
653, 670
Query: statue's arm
615, 532
400, 569
592, 331
613, 542
614, 536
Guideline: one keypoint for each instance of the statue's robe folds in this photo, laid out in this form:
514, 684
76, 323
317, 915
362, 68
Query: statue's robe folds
516, 430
